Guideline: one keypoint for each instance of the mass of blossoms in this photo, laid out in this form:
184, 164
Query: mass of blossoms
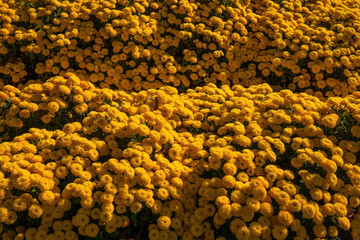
179, 119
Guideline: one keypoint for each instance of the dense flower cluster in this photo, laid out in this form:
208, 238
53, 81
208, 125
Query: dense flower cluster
139, 45
211, 163
179, 119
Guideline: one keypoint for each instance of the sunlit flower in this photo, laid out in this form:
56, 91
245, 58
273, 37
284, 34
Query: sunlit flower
163, 222
35, 211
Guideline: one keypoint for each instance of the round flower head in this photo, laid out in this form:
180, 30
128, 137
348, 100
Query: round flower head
47, 197
80, 220
260, 193
243, 233
266, 209
22, 182
176, 223
344, 223
69, 128
331, 120
24, 113
53, 107
163, 193
19, 204
210, 210
46, 118
16, 122
253, 203
124, 221
136, 207
93, 154
229, 169
255, 229
222, 200
282, 197
106, 216
279, 232
340, 209
154, 234
200, 213
64, 90
285, 218
41, 234
197, 230
30, 233
332, 231
163, 222
229, 181
320, 230
225, 211
355, 131
247, 213
35, 211
4, 214
293, 206
308, 211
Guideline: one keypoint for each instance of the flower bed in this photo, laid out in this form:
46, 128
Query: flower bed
206, 119
224, 163
310, 46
